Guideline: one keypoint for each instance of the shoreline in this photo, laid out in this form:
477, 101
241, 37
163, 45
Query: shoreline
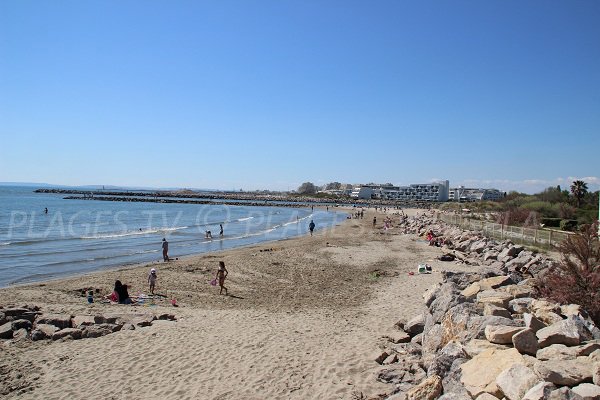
301, 321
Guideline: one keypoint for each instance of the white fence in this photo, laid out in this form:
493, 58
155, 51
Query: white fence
517, 234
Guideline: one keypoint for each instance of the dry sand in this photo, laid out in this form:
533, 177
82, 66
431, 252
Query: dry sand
303, 321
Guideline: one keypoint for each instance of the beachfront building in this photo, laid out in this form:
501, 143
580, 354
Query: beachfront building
463, 194
437, 191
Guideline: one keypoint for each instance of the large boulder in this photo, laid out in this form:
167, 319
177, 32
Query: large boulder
495, 297
562, 352
21, 324
479, 374
6, 331
447, 297
567, 332
61, 321
478, 346
492, 310
525, 342
501, 334
587, 391
429, 389
443, 360
541, 391
516, 380
80, 321
565, 372
596, 373
72, 333
564, 393
415, 325
532, 322
520, 305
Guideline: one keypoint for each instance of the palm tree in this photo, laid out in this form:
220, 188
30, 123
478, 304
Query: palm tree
579, 189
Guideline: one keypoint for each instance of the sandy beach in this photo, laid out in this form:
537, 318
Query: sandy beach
304, 319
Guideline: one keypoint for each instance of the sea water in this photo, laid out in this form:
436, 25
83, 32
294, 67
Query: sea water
78, 236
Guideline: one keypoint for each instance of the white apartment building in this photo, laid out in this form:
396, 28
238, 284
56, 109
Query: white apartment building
438, 191
464, 194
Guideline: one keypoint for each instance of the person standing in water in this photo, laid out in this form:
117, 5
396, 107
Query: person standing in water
221, 275
165, 249
311, 226
46, 210
221, 232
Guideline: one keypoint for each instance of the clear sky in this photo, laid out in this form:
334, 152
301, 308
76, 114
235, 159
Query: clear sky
269, 94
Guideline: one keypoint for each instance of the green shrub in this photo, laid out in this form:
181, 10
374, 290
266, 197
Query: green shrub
568, 224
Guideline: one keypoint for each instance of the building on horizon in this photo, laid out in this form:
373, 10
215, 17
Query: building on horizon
437, 191
463, 194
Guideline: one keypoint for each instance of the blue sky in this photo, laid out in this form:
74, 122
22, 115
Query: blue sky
269, 94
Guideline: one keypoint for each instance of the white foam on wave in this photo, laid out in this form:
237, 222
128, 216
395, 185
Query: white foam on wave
135, 233
5, 243
243, 219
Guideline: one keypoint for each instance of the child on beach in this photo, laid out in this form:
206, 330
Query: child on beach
152, 280
221, 275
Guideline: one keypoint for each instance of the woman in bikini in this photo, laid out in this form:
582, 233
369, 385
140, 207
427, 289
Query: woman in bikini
221, 275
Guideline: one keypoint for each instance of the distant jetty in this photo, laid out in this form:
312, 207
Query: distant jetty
223, 198
189, 197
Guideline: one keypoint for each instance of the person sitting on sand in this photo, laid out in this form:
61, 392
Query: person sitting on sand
152, 280
123, 295
221, 275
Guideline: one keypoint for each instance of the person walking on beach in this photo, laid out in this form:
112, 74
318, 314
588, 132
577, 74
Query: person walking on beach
311, 226
374, 221
165, 249
152, 280
221, 275
221, 232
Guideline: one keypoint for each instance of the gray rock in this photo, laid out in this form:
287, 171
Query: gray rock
415, 325
525, 342
567, 332
587, 391
417, 339
43, 331
127, 327
80, 321
21, 324
516, 380
564, 393
61, 321
442, 362
20, 334
15, 312
532, 322
454, 396
541, 391
6, 331
520, 305
73, 333
447, 297
94, 331
565, 372
430, 294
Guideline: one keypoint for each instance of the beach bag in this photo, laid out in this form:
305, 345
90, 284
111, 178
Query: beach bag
213, 282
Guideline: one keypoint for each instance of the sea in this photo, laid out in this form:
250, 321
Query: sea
79, 236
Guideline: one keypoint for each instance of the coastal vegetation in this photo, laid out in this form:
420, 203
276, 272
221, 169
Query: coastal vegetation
552, 208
